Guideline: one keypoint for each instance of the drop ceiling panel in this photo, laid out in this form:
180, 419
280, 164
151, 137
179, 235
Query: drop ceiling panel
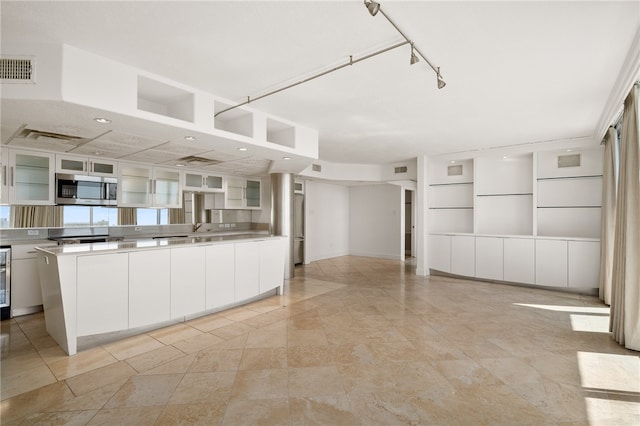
118, 144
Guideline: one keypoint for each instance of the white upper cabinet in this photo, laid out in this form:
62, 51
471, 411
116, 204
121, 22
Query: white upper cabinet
86, 166
146, 186
194, 181
242, 194
29, 177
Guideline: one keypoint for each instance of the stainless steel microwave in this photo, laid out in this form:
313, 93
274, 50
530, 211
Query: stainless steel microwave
86, 190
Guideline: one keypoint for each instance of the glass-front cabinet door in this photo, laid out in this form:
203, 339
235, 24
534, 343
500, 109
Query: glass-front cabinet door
30, 177
202, 182
253, 193
167, 189
84, 165
134, 185
234, 195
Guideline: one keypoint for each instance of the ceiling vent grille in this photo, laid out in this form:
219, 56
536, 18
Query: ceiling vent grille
16, 69
571, 160
316, 167
43, 136
198, 161
402, 169
454, 170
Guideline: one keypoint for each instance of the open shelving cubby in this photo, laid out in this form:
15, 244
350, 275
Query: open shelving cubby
504, 195
451, 197
569, 188
281, 133
160, 98
237, 120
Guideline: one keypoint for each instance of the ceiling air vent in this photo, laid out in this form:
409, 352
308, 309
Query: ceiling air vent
316, 168
194, 160
571, 160
17, 69
454, 170
402, 169
43, 136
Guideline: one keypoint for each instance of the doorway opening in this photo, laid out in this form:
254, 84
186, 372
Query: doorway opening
409, 225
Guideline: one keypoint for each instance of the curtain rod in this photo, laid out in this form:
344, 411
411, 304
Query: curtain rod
313, 77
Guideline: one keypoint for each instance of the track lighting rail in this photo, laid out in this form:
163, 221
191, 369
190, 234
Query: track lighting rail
351, 61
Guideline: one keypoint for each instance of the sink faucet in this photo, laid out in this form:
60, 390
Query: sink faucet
197, 226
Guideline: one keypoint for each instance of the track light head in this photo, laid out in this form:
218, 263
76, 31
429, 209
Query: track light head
414, 58
441, 82
372, 6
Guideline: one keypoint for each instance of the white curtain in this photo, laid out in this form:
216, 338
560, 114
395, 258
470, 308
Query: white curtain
607, 228
625, 291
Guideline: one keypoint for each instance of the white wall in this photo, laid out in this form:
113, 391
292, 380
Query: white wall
376, 221
326, 221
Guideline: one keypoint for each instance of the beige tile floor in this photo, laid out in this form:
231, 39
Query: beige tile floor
353, 341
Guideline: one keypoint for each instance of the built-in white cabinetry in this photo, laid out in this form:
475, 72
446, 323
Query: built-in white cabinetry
534, 218
247, 278
463, 255
551, 263
202, 182
489, 253
187, 281
220, 275
149, 287
519, 260
584, 264
450, 196
504, 195
102, 297
26, 293
146, 186
85, 165
569, 193
242, 194
30, 177
440, 252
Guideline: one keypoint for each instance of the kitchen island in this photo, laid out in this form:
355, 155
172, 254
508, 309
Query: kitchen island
128, 286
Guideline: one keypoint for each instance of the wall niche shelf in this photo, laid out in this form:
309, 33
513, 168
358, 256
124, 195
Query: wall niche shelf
160, 98
238, 120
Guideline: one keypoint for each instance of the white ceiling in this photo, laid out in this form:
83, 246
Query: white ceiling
516, 72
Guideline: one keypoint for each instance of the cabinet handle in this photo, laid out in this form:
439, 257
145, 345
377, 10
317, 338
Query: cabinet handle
155, 181
150, 186
4, 175
86, 166
11, 177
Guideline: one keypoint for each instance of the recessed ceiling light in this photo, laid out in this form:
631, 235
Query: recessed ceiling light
243, 149
505, 156
286, 158
98, 153
569, 150
179, 165
102, 120
453, 161
190, 138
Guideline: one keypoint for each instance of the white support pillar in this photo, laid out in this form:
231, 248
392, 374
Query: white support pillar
422, 215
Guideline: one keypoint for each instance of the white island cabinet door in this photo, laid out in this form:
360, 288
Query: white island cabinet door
103, 295
149, 287
221, 275
187, 281
271, 264
247, 270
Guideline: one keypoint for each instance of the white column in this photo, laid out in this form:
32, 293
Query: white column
422, 254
